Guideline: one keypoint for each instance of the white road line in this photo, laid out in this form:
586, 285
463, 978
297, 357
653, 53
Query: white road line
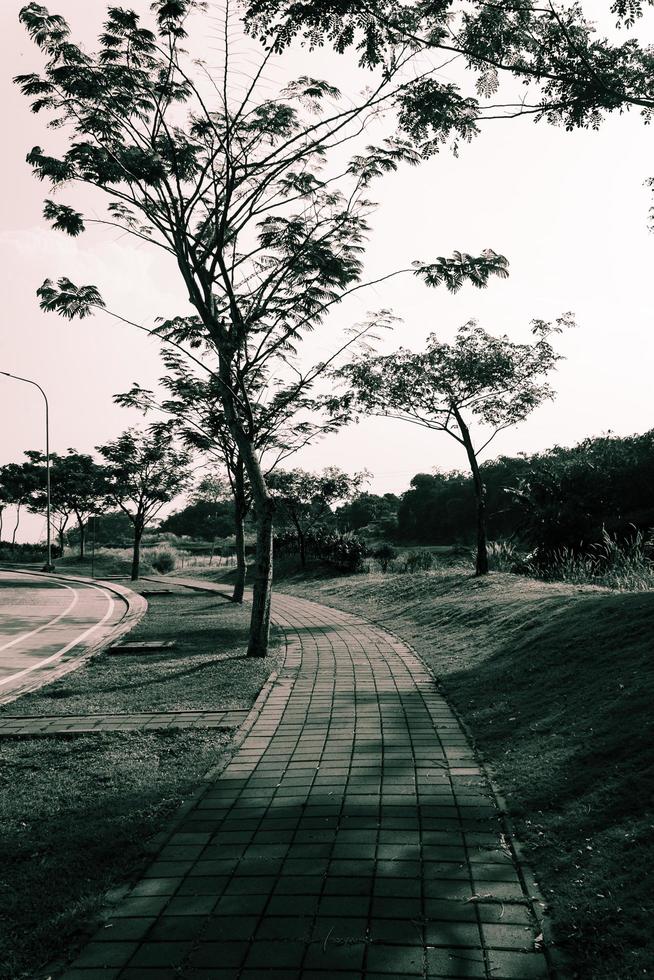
69, 646
44, 626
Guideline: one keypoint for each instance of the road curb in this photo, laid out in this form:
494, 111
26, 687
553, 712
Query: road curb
136, 608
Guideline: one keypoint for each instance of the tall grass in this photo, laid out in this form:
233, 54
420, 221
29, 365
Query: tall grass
625, 565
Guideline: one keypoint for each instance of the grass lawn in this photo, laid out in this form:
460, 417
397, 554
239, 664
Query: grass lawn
207, 669
76, 811
557, 684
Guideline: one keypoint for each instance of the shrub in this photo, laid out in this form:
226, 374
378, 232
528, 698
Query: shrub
163, 560
26, 552
617, 564
345, 551
503, 556
417, 561
385, 554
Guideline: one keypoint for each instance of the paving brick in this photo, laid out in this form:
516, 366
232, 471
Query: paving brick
115, 930
106, 954
465, 963
332, 956
344, 839
160, 954
505, 936
392, 960
517, 966
271, 955
219, 954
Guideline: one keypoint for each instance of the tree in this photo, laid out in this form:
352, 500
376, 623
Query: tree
304, 499
204, 519
5, 497
569, 497
579, 76
368, 508
19, 481
60, 508
112, 529
482, 378
194, 411
76, 488
144, 472
237, 192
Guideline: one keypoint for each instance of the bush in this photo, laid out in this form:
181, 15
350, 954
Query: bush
417, 561
26, 552
385, 554
345, 551
503, 556
163, 560
617, 564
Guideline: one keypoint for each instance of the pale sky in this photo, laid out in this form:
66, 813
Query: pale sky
569, 210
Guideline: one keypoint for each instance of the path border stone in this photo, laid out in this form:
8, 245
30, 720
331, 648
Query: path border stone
12, 726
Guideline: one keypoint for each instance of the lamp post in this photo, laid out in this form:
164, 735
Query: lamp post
48, 567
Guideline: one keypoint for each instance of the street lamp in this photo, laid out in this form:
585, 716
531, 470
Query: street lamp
48, 567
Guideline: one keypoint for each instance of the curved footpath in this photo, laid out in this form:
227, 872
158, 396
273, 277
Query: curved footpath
351, 836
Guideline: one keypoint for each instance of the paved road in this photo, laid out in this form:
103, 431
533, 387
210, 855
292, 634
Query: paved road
352, 836
44, 622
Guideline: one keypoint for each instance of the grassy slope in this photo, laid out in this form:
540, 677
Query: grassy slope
76, 811
556, 683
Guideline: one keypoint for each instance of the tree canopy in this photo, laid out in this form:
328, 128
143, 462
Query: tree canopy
305, 499
570, 72
144, 472
266, 230
479, 378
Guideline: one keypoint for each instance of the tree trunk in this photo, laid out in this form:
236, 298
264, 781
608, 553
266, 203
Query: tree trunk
13, 537
82, 538
262, 582
136, 555
240, 510
263, 562
264, 507
61, 535
481, 562
239, 584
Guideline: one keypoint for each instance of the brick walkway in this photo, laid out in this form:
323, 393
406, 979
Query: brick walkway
29, 725
351, 836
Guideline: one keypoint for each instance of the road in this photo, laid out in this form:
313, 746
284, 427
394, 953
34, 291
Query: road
46, 622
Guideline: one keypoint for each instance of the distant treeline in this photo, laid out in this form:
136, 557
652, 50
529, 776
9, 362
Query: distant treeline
564, 497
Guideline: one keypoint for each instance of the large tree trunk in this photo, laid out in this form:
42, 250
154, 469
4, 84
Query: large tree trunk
263, 562
240, 510
264, 509
262, 582
481, 562
82, 537
136, 554
61, 535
